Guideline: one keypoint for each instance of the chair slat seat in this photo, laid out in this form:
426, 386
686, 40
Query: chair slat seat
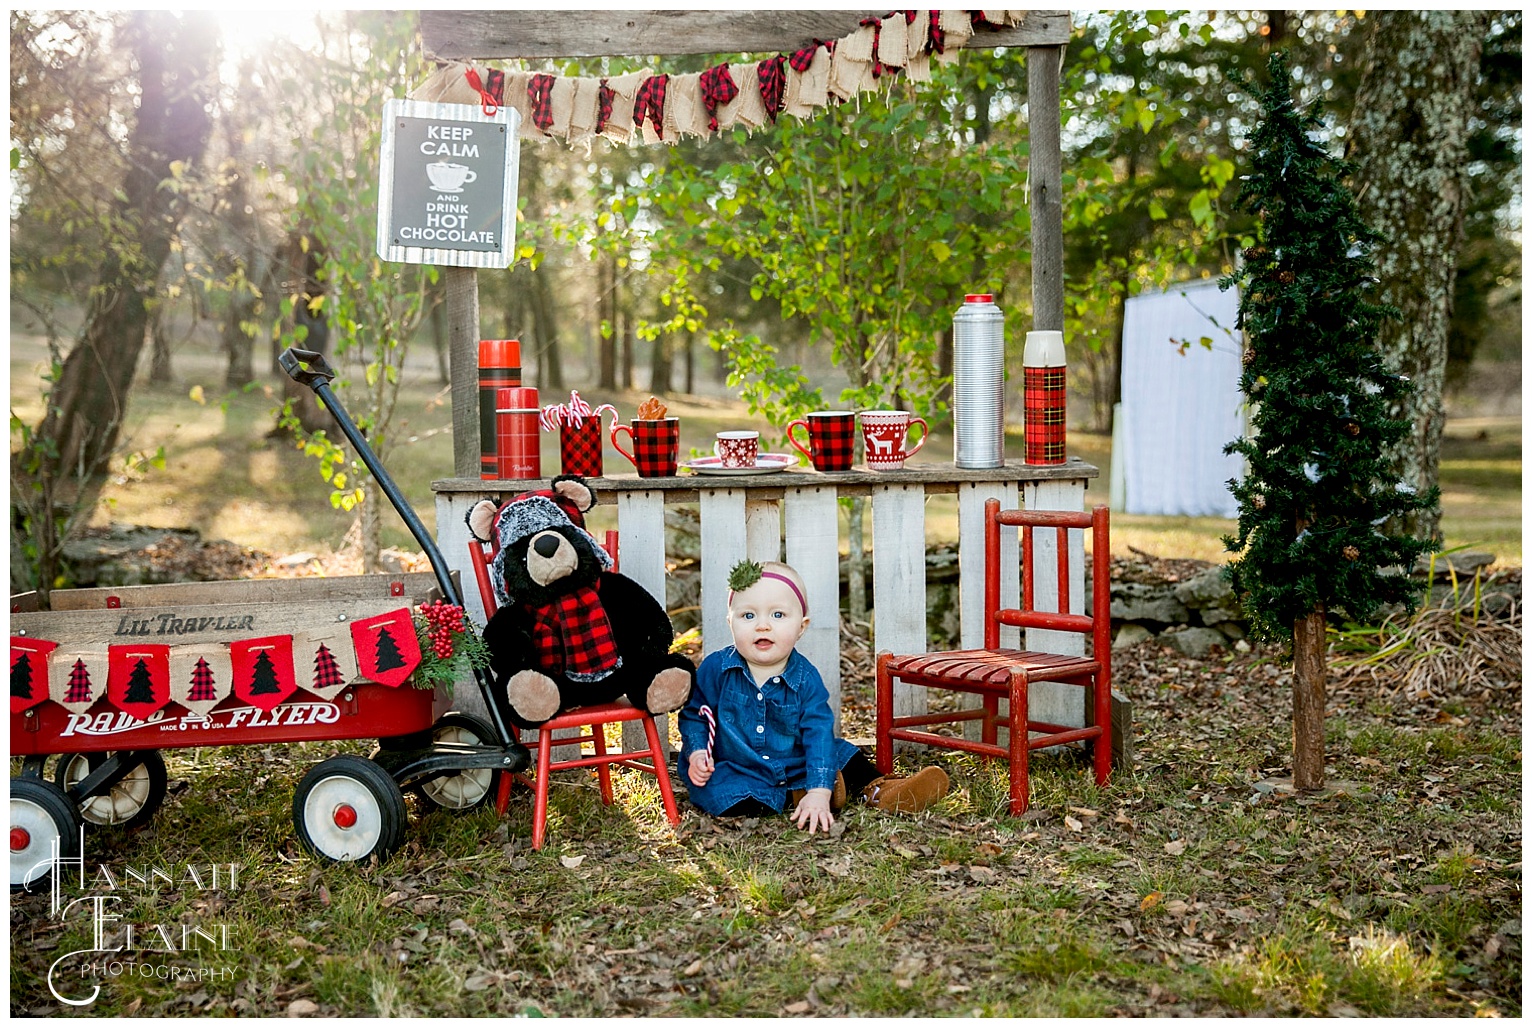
1000, 674
990, 668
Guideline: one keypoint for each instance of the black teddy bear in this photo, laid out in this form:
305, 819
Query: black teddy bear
569, 632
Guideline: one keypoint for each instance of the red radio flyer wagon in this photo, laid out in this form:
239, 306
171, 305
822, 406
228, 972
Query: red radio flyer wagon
109, 678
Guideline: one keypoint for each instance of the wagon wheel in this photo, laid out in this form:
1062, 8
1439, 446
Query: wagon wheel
128, 804
348, 808
467, 789
40, 815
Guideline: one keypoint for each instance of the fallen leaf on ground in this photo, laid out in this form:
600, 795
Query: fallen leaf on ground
302, 1008
1150, 901
1176, 848
1074, 826
572, 862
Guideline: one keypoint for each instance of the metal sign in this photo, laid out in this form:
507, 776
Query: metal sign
447, 193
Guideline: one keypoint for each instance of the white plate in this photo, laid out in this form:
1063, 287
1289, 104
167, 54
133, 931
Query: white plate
765, 464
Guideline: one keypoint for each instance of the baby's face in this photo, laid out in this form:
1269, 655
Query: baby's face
767, 621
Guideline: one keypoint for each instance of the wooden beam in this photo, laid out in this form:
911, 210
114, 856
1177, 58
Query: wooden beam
498, 35
1045, 179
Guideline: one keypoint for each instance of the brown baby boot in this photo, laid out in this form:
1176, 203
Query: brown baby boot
907, 795
837, 795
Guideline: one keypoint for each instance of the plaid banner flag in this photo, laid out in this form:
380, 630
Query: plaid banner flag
201, 676
325, 660
77, 677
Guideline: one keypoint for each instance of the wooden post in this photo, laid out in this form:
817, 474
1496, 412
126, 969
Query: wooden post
1046, 187
463, 360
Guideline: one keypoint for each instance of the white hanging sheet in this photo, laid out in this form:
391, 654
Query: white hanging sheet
1180, 403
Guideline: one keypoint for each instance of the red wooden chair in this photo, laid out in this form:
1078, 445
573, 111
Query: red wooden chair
996, 674
589, 721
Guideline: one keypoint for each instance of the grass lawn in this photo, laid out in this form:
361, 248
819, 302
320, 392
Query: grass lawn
1183, 888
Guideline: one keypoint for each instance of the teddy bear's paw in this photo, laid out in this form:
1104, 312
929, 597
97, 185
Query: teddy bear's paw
533, 695
669, 691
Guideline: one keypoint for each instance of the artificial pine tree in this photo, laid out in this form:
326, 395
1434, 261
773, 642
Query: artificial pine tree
1318, 497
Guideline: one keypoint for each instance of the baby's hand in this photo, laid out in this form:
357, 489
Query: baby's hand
813, 811
699, 767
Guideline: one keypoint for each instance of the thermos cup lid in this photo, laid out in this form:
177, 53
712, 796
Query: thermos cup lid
979, 298
499, 353
1044, 349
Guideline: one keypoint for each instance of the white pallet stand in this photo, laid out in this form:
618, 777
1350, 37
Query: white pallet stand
795, 517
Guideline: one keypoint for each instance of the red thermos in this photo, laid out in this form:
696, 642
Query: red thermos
499, 368
516, 433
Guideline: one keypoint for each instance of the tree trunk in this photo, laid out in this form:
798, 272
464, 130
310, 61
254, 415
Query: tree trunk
550, 364
606, 282
1409, 141
626, 380
690, 366
175, 58
659, 365
1309, 669
159, 344
439, 338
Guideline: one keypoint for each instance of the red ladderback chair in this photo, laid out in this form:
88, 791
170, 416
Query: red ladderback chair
590, 722
996, 674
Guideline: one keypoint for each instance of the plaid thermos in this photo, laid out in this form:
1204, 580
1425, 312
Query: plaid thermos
1043, 371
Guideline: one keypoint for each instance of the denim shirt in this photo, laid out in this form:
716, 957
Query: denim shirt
772, 736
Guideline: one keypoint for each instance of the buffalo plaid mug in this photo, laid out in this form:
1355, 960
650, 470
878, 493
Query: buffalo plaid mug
655, 445
832, 436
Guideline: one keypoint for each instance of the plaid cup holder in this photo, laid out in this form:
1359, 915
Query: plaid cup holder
580, 448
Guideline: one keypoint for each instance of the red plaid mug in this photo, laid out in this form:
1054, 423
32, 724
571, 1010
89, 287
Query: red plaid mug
832, 438
580, 446
886, 433
655, 445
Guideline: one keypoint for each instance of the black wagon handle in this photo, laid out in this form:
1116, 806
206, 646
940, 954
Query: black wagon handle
308, 368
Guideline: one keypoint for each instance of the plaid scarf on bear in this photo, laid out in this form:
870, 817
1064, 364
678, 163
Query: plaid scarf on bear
572, 636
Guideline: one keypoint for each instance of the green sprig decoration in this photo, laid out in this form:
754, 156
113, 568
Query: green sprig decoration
743, 575
1319, 492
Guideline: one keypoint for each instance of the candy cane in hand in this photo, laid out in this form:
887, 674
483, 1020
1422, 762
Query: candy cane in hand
712, 727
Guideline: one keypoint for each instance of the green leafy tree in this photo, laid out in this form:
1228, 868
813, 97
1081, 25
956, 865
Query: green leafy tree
1318, 497
371, 307
105, 244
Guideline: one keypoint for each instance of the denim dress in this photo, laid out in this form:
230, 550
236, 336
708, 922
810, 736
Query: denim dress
772, 736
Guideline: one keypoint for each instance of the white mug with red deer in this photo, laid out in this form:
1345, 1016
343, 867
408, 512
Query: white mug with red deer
886, 435
737, 449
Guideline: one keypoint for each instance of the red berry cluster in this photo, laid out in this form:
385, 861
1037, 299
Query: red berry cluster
443, 620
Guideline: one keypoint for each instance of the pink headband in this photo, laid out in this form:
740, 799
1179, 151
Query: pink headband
790, 584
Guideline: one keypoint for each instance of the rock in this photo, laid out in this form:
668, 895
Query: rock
1464, 563
1231, 629
1130, 635
1208, 589
1212, 616
1195, 642
1133, 601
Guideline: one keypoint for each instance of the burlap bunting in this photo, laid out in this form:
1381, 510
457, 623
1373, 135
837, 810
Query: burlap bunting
902, 44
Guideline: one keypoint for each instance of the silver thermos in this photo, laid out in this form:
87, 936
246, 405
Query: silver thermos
978, 383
